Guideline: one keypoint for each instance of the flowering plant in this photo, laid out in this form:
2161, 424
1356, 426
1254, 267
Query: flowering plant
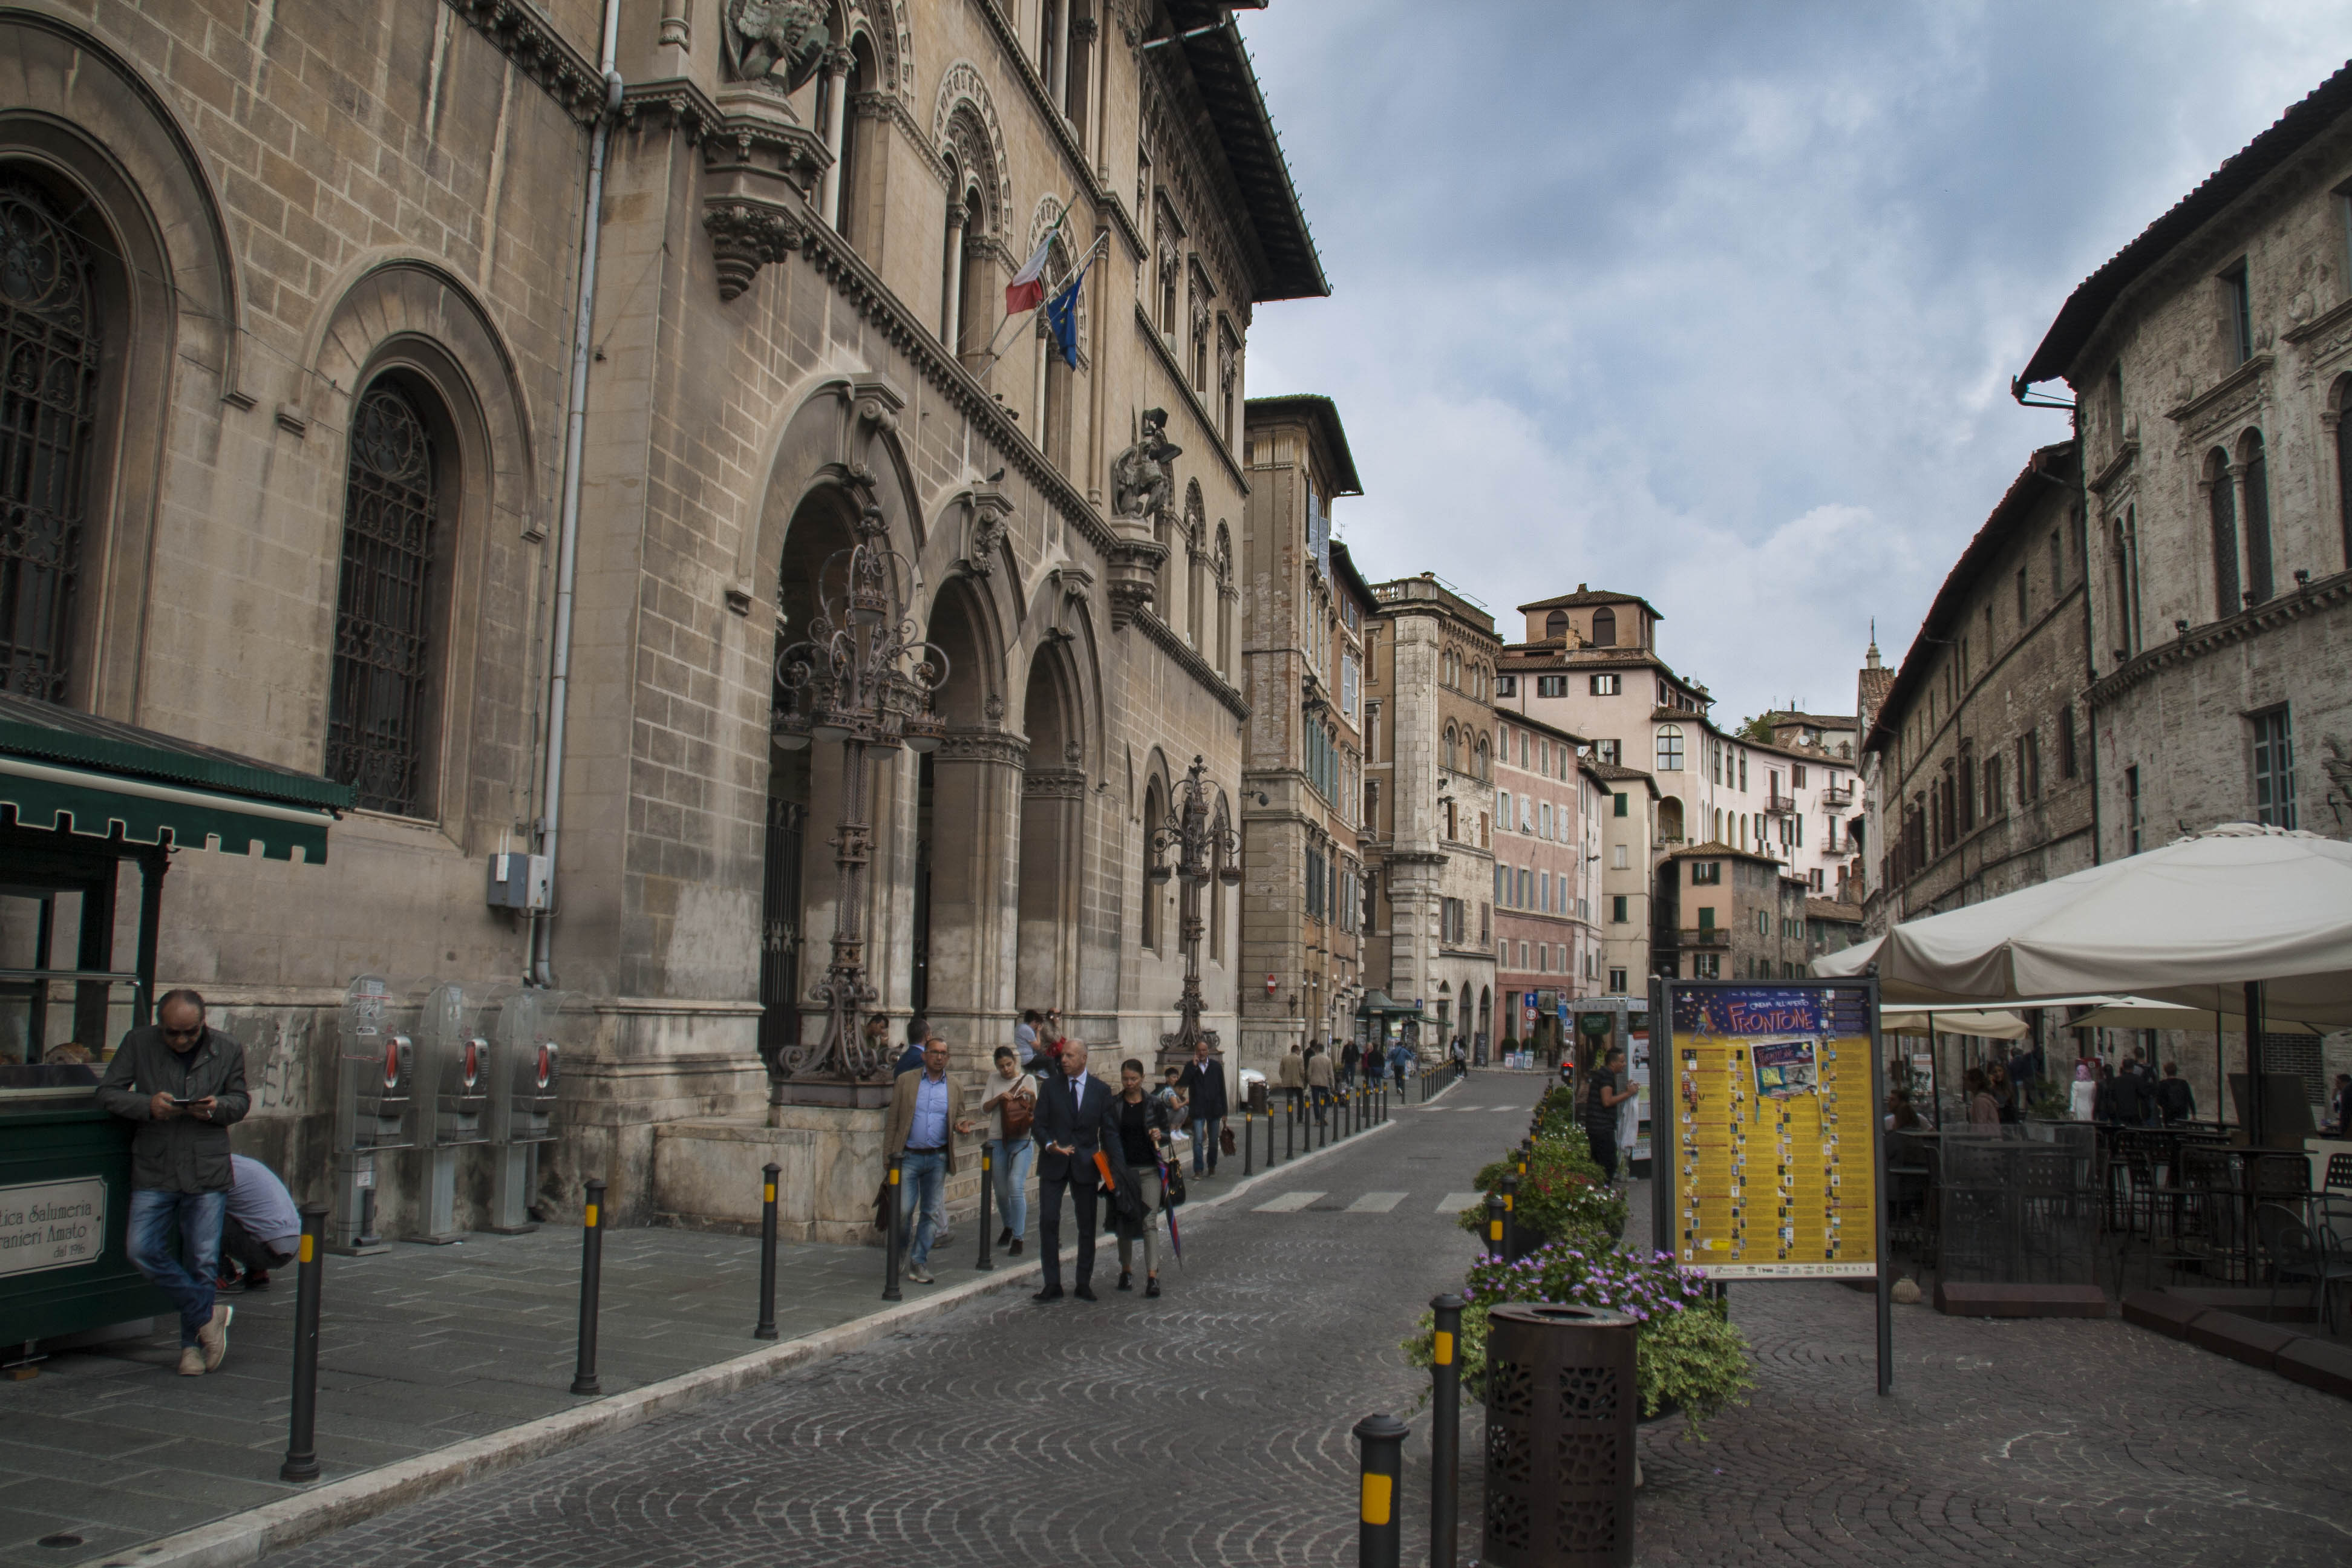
1687, 1351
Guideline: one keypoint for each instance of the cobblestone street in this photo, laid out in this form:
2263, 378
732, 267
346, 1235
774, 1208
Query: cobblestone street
1210, 1427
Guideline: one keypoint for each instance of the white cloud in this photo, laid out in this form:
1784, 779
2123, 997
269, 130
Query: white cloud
1719, 304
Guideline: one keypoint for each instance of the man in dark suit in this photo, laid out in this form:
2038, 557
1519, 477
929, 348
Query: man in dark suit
1203, 1083
1074, 1119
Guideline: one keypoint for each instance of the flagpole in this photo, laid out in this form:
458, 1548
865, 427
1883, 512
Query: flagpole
988, 354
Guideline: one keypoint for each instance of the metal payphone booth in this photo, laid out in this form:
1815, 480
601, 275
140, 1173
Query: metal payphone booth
455, 1072
376, 1101
527, 1026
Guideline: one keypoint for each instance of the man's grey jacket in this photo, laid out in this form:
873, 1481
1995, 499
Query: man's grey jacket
183, 1155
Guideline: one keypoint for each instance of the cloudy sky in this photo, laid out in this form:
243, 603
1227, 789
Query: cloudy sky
1718, 303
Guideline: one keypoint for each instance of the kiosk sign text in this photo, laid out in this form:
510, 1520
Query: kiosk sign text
52, 1224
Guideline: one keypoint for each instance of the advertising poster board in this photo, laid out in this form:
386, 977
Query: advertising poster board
1774, 1129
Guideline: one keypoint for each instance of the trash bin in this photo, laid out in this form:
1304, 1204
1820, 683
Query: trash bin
1561, 1398
1257, 1096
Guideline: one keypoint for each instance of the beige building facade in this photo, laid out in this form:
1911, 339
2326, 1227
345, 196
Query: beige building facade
1304, 611
355, 456
1430, 661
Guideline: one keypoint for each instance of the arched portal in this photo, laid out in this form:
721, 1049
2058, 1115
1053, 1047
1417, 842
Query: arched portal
796, 899
1053, 835
969, 792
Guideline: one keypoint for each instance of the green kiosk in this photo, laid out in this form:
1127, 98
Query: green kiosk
79, 796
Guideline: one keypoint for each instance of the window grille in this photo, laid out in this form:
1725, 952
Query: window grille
377, 713
48, 397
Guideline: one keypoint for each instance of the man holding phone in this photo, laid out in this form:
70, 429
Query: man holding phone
181, 1083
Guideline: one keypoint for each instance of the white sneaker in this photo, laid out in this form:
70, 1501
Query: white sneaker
919, 1274
192, 1362
214, 1336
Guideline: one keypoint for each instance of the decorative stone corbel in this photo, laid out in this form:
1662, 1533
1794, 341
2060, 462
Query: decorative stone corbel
875, 403
746, 236
991, 512
1073, 585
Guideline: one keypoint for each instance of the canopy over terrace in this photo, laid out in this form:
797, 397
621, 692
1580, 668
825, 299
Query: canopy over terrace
2192, 923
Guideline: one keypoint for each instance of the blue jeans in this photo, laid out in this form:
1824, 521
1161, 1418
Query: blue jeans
1009, 1161
1204, 1139
162, 1224
920, 1180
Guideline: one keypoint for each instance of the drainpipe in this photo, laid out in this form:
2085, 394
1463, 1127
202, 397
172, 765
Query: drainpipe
567, 544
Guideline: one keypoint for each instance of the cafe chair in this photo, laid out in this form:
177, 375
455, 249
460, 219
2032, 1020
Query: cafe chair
2296, 1253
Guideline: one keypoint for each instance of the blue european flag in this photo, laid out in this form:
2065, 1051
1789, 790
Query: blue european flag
1062, 318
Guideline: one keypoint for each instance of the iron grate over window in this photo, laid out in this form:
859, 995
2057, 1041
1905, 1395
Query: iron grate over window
48, 398
377, 712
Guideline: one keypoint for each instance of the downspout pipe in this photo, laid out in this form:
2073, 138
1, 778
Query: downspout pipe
567, 540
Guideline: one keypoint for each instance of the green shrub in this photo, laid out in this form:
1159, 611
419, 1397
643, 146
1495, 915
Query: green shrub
1562, 1195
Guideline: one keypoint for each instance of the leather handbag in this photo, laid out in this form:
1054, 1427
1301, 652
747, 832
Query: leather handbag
1019, 1115
1172, 1184
1226, 1139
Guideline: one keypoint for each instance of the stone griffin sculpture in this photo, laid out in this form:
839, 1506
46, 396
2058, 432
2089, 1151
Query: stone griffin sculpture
1143, 477
780, 41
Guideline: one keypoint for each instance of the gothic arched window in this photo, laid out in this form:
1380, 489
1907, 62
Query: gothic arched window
2221, 502
2255, 468
380, 697
49, 409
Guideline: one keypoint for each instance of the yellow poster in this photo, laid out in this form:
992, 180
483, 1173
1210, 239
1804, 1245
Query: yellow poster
1775, 1132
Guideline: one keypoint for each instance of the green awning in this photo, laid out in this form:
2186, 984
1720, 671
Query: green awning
65, 771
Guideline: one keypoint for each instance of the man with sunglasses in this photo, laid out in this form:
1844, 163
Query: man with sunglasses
181, 1083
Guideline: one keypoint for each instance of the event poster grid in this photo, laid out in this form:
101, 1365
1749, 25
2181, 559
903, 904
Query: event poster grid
1775, 1127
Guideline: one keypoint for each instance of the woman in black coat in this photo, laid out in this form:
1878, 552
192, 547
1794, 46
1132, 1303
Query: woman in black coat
1142, 1121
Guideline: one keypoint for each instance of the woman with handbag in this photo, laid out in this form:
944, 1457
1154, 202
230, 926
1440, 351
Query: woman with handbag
1142, 1126
1010, 1103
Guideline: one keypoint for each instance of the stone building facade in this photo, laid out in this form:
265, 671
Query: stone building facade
2212, 365
1304, 608
337, 382
1980, 740
1429, 659
1629, 808
1724, 913
1547, 838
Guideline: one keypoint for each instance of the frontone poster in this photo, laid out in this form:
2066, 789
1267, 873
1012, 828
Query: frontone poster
1775, 1132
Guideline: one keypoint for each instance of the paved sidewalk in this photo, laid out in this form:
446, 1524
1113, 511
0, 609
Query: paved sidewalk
421, 1349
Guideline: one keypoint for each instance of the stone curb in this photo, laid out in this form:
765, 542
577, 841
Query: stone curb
246, 1536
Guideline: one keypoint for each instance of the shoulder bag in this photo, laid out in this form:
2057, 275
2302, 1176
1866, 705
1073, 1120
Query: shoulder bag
1020, 1112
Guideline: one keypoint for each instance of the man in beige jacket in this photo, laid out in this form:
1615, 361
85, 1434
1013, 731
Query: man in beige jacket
1318, 1080
926, 1117
1290, 1077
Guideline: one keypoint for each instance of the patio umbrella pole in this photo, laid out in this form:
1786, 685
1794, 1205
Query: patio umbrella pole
2257, 1121
2220, 1076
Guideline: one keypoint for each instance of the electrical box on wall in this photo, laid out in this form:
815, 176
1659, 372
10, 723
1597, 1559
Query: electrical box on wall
519, 881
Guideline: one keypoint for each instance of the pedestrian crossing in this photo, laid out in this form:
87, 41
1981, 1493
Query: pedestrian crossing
1472, 1110
1367, 1203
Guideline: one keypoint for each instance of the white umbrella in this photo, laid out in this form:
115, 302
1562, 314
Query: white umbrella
1954, 1021
2192, 923
2140, 1013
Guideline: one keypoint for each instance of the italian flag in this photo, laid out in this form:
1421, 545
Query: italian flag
1027, 289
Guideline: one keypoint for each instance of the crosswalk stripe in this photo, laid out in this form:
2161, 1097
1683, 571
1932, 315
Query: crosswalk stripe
1288, 1202
1375, 1203
1505, 1110
1455, 1203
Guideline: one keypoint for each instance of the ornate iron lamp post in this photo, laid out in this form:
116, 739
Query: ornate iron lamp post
1204, 849
861, 677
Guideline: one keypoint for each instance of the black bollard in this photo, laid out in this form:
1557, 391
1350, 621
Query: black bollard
1444, 1431
767, 1325
987, 1208
1495, 1225
1510, 1217
1290, 1129
1249, 1140
592, 1280
301, 1432
1380, 1539
890, 1270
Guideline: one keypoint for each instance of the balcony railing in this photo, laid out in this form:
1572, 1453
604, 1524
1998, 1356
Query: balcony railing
1779, 804
1706, 936
1837, 798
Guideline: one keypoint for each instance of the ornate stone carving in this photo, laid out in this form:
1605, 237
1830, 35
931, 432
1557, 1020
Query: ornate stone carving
1054, 783
1143, 477
991, 523
994, 709
779, 42
974, 744
746, 236
1127, 597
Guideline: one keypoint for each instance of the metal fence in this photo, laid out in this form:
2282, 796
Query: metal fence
2019, 1203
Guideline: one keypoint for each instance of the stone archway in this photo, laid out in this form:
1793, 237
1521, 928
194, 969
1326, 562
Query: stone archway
970, 792
1053, 835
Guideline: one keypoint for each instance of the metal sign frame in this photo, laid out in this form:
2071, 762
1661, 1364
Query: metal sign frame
1665, 1171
